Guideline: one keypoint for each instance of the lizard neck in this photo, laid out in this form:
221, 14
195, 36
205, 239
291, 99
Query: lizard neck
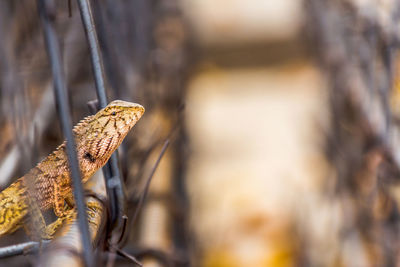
42, 179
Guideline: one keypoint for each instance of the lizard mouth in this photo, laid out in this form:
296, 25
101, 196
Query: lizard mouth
140, 109
137, 113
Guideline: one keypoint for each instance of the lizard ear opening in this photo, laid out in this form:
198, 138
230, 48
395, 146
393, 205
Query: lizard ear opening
89, 157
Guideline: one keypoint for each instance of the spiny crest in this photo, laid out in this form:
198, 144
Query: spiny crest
82, 125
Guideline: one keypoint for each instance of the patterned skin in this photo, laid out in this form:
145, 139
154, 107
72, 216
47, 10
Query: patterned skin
48, 185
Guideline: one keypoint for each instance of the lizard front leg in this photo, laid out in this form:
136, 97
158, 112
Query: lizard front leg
69, 215
62, 192
37, 228
62, 207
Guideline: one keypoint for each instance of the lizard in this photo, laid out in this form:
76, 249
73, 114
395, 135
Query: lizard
48, 185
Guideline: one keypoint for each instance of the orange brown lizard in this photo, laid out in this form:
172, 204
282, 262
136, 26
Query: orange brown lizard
48, 185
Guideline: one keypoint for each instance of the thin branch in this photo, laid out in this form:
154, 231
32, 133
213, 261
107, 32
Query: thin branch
64, 113
111, 170
129, 256
147, 186
21, 249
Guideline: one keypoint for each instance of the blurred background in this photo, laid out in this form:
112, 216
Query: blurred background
282, 115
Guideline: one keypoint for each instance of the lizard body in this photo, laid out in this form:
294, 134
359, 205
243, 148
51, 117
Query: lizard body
48, 184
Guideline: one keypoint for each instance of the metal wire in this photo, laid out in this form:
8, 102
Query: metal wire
97, 65
64, 114
23, 248
111, 170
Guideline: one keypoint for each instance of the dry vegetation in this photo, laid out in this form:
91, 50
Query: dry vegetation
282, 118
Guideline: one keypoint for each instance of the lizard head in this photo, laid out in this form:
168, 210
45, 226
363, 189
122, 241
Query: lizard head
99, 135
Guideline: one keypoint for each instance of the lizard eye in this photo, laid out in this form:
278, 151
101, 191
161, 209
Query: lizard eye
113, 113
